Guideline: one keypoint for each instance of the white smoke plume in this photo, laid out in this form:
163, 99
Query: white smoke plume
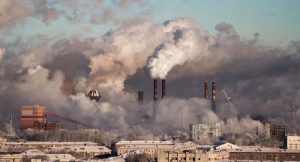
260, 80
184, 43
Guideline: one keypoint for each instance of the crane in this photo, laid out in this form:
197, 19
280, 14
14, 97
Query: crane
230, 111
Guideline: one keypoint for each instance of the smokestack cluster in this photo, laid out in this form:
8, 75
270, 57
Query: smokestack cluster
213, 94
163, 89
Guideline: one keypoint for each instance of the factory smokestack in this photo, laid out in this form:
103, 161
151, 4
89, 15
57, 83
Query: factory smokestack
206, 89
155, 90
213, 96
163, 88
140, 96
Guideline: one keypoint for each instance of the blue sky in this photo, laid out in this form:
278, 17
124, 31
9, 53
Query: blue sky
277, 21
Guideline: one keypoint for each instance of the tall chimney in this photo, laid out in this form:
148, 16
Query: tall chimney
213, 96
163, 88
140, 96
206, 89
155, 90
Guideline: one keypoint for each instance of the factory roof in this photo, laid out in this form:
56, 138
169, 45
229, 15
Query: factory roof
262, 149
96, 149
145, 143
49, 143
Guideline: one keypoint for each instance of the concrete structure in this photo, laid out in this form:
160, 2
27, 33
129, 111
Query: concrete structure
292, 142
224, 145
94, 95
85, 152
277, 132
213, 96
264, 154
31, 114
205, 131
36, 155
155, 97
22, 146
151, 148
47, 126
163, 88
206, 90
11, 158
183, 157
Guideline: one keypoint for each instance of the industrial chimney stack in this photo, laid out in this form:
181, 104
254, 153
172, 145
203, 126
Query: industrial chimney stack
155, 90
206, 89
140, 96
213, 96
163, 88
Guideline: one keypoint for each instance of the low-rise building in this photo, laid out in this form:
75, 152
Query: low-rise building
151, 148
85, 152
264, 154
292, 142
36, 155
187, 156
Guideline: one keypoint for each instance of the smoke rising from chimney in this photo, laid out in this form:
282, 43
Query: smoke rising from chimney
177, 48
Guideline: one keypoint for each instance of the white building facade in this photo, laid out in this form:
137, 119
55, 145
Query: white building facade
293, 142
205, 131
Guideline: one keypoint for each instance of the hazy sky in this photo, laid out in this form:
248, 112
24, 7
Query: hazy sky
277, 21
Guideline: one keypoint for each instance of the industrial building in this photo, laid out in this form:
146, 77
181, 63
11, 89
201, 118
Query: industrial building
94, 95
201, 131
46, 125
292, 142
277, 133
264, 154
191, 156
31, 114
150, 148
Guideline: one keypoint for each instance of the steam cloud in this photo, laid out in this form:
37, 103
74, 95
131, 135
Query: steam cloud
261, 81
184, 43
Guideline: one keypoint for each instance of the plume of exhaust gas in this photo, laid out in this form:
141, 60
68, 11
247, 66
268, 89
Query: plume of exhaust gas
185, 42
